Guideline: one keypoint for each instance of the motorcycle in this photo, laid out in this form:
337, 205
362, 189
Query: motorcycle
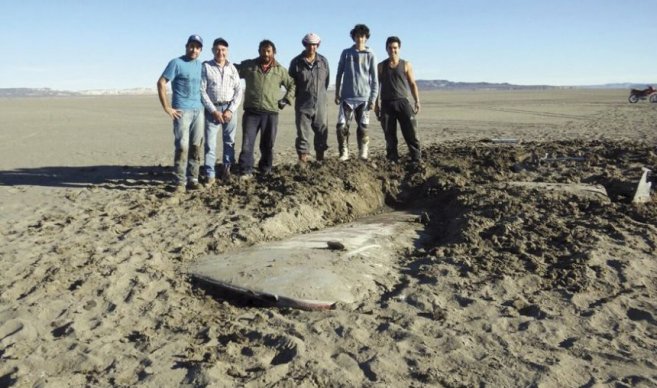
649, 93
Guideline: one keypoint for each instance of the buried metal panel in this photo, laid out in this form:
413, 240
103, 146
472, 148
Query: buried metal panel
307, 270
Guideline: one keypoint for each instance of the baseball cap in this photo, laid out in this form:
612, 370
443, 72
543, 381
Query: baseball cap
195, 38
311, 38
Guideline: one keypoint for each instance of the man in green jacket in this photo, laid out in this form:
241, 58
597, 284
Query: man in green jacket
264, 77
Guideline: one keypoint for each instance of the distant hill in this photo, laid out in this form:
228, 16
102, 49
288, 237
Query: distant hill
621, 86
32, 92
422, 84
449, 85
47, 92
120, 92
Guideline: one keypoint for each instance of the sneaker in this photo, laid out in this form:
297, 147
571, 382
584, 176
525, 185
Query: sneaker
364, 151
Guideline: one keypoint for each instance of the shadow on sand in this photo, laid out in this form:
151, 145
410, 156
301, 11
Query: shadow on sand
113, 177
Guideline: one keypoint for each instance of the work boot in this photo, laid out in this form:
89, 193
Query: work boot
179, 188
225, 173
193, 185
364, 148
209, 182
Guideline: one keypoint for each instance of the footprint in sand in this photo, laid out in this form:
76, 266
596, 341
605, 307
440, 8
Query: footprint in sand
641, 315
287, 348
62, 330
15, 330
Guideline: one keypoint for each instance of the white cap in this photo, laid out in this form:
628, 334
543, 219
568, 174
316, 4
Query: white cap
310, 38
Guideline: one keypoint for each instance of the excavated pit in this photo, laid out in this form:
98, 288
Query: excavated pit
483, 207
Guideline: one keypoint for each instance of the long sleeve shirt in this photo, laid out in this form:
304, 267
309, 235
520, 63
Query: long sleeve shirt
311, 81
263, 88
358, 75
220, 84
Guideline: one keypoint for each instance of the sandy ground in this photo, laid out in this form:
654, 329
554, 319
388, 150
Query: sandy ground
515, 286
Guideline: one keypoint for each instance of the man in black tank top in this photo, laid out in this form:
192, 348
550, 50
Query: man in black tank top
396, 79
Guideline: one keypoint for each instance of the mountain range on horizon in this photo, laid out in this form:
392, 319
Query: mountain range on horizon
422, 85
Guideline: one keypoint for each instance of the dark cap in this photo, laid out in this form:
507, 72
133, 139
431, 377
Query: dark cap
195, 38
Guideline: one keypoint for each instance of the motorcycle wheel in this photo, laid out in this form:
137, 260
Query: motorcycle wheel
653, 98
633, 98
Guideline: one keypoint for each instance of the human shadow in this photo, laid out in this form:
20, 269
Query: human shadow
113, 177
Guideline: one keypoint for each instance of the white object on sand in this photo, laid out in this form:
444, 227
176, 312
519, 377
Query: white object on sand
642, 194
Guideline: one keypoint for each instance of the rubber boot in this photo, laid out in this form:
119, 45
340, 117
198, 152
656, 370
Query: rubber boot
343, 142
344, 152
364, 150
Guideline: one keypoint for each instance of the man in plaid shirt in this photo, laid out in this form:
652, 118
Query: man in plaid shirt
221, 93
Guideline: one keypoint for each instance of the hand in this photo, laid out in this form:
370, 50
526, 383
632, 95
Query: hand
173, 113
337, 100
227, 115
377, 112
281, 103
416, 109
218, 117
369, 106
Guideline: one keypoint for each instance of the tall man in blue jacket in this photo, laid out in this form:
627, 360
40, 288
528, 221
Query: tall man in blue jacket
356, 89
186, 111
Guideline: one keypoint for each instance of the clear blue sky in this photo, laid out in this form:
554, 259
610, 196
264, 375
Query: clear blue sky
77, 45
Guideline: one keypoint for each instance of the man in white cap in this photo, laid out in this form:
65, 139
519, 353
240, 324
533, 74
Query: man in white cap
310, 71
186, 111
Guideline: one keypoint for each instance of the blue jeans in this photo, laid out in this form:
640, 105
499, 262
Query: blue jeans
188, 141
228, 138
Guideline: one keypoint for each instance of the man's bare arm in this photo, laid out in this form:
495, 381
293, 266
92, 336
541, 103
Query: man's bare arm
164, 100
411, 82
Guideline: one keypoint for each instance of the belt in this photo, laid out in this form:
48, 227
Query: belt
222, 103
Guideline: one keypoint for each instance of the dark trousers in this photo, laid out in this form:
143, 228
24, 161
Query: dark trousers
309, 122
252, 123
400, 110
